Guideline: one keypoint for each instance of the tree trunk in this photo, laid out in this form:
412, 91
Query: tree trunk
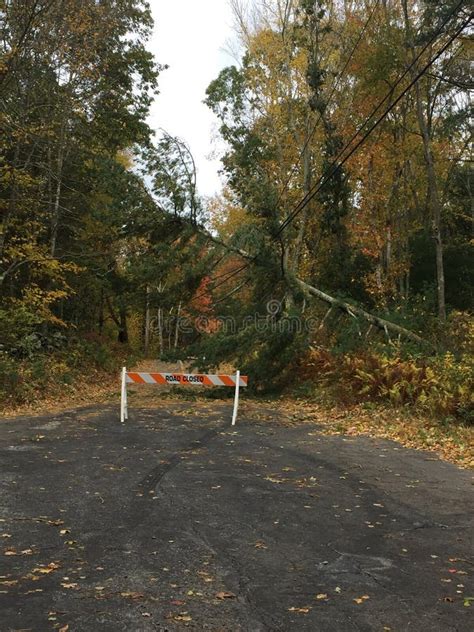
120, 321
101, 312
433, 193
146, 347
123, 329
355, 311
307, 163
12, 200
176, 333
352, 310
57, 194
160, 330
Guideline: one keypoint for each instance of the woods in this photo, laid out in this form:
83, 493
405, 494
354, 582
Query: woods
347, 203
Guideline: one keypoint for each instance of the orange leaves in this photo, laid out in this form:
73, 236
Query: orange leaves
225, 595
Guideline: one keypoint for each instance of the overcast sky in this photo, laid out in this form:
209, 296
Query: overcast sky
190, 36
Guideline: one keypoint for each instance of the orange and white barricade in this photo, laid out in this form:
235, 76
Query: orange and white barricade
181, 379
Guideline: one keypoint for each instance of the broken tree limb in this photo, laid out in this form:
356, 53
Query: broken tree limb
238, 251
352, 310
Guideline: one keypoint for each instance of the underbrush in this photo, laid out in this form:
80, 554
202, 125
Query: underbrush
441, 386
51, 373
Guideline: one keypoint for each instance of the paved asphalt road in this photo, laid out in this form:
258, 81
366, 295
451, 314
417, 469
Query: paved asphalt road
173, 521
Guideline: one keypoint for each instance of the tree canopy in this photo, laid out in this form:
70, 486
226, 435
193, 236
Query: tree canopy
347, 198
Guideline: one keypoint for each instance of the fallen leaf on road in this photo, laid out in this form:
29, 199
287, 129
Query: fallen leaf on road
45, 570
321, 596
299, 610
225, 595
273, 480
131, 595
14, 552
65, 628
360, 600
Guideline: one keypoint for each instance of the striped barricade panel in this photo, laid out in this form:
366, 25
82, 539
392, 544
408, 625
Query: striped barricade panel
185, 379
181, 379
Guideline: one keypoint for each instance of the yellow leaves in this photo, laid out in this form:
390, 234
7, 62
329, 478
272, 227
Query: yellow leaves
299, 610
272, 479
46, 570
8, 582
125, 158
204, 575
321, 596
132, 595
360, 600
11, 552
70, 585
183, 617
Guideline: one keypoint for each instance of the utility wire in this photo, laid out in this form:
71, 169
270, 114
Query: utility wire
321, 114
334, 166
333, 90
227, 275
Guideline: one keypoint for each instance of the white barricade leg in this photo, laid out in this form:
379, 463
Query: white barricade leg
123, 396
236, 398
126, 396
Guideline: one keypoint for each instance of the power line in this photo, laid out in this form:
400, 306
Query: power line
333, 90
228, 275
309, 138
321, 114
334, 166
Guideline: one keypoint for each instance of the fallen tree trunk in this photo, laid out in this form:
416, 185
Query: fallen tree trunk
356, 312
352, 310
